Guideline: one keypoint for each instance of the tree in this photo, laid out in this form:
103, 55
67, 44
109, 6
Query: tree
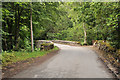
31, 27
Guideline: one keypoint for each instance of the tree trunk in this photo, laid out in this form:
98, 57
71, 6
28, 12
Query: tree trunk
9, 22
17, 26
31, 27
85, 33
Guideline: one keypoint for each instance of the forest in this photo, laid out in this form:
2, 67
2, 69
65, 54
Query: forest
71, 21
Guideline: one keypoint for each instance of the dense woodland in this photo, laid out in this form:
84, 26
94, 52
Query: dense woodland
74, 21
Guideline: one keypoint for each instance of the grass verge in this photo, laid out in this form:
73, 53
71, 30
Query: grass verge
13, 57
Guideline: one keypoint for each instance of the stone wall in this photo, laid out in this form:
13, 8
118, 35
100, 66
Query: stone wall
66, 42
44, 44
105, 46
110, 53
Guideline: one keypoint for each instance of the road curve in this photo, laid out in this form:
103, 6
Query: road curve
70, 62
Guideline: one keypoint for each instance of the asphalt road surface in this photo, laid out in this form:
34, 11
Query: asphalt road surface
70, 62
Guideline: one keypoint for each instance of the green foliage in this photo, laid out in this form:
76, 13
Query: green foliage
15, 18
7, 58
75, 21
13, 57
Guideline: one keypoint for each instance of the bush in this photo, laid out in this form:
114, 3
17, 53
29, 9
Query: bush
85, 44
37, 49
7, 58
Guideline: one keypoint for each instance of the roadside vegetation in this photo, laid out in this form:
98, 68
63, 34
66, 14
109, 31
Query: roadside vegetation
14, 56
0, 61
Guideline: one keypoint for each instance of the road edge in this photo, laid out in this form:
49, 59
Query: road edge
110, 67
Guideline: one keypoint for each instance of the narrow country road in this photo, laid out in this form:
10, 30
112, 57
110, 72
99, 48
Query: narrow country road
70, 62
